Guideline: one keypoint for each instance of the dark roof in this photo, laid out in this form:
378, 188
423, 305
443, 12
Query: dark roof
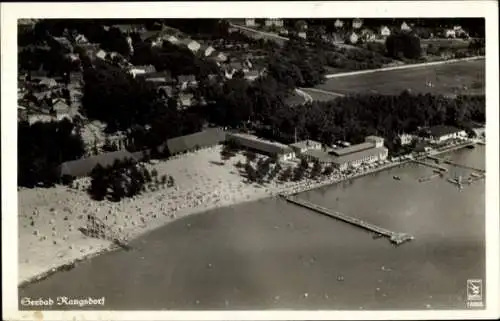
205, 138
257, 143
83, 167
182, 78
442, 130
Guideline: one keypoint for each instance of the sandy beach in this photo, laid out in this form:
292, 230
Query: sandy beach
49, 219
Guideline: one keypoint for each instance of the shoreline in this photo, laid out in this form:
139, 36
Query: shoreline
251, 193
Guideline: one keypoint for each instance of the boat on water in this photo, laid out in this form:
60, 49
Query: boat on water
396, 178
471, 146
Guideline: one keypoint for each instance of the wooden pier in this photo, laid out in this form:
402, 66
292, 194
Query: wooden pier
441, 168
445, 161
395, 237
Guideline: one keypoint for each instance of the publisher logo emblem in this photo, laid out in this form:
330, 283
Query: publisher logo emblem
474, 290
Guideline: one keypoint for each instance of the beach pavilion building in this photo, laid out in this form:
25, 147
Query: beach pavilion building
262, 146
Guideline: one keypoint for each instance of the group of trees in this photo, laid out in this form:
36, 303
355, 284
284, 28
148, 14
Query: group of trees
355, 117
42, 147
403, 45
124, 179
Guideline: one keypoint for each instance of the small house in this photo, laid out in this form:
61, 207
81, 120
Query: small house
352, 38
302, 35
274, 22
405, 27
101, 54
450, 33
385, 31
357, 23
338, 24
250, 22
140, 70
192, 45
442, 133
207, 50
186, 81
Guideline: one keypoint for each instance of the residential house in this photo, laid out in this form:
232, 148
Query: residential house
165, 91
442, 133
357, 23
48, 83
367, 34
203, 139
190, 44
218, 57
338, 24
130, 28
274, 22
186, 81
352, 38
305, 145
250, 22
405, 27
207, 50
63, 43
405, 139
140, 70
160, 78
302, 34
83, 167
450, 33
385, 31
81, 39
186, 100
101, 54
263, 146
171, 39
460, 32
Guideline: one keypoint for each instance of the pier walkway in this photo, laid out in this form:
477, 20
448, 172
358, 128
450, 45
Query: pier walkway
441, 168
395, 237
445, 161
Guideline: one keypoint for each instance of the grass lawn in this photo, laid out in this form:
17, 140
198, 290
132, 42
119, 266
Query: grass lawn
466, 77
318, 96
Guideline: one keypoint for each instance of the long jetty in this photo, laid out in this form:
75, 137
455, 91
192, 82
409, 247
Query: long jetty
395, 237
445, 161
441, 168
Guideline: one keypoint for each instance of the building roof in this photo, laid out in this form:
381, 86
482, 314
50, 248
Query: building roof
205, 138
320, 155
83, 167
442, 130
305, 144
352, 149
183, 78
374, 151
263, 145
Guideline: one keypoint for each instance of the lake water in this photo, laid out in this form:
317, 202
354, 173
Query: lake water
274, 255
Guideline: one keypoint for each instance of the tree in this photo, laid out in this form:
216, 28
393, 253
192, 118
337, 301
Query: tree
403, 45
286, 174
316, 170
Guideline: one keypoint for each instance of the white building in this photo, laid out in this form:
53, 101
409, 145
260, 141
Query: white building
440, 134
405, 27
276, 22
405, 139
305, 145
357, 23
372, 150
385, 31
338, 24
250, 22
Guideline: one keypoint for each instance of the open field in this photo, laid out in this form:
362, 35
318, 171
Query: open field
464, 77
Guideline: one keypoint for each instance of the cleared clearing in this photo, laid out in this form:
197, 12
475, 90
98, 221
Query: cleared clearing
465, 77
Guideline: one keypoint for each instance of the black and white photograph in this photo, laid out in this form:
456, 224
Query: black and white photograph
264, 162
